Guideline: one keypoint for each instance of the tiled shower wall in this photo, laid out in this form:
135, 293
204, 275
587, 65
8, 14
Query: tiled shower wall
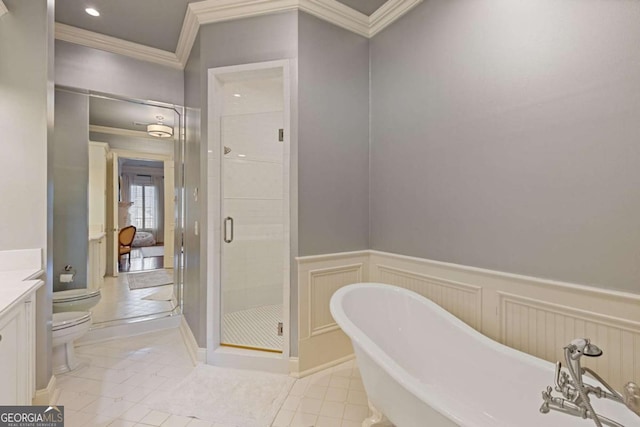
253, 265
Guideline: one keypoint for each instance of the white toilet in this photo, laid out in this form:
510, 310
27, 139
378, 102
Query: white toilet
75, 300
67, 327
71, 320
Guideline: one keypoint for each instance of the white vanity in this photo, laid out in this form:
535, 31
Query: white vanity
19, 273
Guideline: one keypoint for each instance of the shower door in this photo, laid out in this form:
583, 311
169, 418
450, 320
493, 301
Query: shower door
253, 204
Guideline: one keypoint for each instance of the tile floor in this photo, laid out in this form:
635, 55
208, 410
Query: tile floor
119, 302
122, 376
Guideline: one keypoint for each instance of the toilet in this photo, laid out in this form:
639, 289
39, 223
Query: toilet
71, 320
67, 327
75, 300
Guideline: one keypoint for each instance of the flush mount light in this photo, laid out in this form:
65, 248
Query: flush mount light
91, 11
242, 155
237, 95
159, 130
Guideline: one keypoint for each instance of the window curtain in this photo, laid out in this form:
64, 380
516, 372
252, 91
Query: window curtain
125, 189
158, 183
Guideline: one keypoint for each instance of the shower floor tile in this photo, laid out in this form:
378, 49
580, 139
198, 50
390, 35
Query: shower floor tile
255, 327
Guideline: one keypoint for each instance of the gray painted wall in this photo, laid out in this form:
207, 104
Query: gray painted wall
96, 70
26, 120
257, 39
333, 140
70, 177
505, 136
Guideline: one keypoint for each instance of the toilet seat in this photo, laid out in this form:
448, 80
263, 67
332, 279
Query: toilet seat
74, 295
69, 319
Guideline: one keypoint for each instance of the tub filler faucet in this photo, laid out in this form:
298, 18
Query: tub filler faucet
575, 393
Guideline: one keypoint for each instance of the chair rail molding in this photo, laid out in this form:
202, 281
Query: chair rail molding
211, 11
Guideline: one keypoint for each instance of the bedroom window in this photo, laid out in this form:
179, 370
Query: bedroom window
144, 206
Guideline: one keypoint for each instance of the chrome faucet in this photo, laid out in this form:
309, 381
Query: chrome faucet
575, 393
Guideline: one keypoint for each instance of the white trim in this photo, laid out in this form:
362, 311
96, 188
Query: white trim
188, 34
297, 374
119, 331
338, 14
3, 8
140, 155
210, 11
121, 132
330, 257
47, 396
115, 45
198, 354
388, 13
514, 277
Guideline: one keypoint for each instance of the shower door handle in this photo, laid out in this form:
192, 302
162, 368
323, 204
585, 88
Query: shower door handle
228, 239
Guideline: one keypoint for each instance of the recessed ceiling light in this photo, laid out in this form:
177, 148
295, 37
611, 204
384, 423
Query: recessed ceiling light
242, 155
91, 11
237, 95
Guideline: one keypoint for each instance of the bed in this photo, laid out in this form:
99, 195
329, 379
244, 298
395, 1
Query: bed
143, 238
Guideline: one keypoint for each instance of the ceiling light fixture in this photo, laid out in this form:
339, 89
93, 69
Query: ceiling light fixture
159, 130
237, 95
91, 11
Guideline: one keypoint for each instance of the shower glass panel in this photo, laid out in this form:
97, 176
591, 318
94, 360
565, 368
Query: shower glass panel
253, 195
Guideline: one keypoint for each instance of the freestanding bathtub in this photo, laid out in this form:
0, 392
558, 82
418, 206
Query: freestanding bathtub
423, 367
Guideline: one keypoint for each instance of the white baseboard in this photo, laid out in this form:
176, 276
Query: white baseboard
47, 396
198, 354
536, 316
294, 367
119, 331
336, 362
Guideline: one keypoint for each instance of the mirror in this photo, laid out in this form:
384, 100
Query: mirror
134, 208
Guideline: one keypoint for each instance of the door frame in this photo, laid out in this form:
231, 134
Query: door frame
167, 162
217, 354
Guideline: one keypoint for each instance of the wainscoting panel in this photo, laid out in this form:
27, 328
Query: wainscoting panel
322, 285
460, 299
543, 329
533, 315
321, 340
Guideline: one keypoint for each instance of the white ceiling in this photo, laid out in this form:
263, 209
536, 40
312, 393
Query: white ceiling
154, 23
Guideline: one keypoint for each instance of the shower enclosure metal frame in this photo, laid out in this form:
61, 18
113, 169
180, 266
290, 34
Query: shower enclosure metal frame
216, 354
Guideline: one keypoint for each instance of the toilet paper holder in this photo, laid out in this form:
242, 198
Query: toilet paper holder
68, 274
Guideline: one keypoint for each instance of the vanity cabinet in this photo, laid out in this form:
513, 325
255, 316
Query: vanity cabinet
17, 352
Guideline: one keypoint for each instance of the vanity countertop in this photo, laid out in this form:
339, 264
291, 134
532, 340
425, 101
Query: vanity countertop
19, 273
13, 286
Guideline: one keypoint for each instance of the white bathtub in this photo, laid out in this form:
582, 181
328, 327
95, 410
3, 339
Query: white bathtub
421, 366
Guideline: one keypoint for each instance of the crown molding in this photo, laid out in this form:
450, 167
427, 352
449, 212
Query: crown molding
338, 14
389, 13
211, 11
121, 132
114, 45
3, 8
188, 34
